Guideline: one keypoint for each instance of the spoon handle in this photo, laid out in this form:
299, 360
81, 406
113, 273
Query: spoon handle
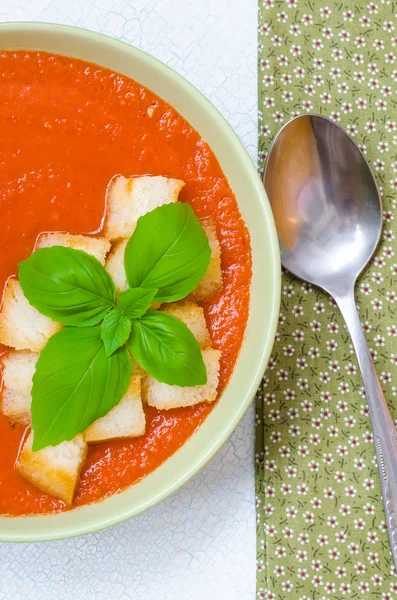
385, 433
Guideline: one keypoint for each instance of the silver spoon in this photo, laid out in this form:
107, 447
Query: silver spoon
328, 214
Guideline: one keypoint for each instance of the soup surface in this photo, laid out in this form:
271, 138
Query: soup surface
67, 127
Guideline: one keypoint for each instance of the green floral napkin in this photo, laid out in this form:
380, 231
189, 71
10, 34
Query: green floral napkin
320, 521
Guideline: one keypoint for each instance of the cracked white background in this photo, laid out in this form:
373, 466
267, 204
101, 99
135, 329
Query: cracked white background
199, 544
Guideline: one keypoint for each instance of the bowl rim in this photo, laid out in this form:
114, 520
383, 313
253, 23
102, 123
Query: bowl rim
262, 354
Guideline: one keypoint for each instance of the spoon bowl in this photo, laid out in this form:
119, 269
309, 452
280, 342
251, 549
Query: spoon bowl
325, 202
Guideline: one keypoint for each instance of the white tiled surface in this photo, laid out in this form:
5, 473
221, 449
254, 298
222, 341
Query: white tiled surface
200, 543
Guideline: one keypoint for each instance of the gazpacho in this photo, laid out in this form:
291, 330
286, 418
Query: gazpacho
126, 269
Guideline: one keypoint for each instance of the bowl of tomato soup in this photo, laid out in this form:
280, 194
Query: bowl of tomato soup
76, 109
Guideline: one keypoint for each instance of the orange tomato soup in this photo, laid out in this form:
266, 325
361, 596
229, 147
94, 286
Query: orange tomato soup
67, 127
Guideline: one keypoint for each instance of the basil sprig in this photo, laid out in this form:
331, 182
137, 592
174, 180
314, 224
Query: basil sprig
85, 369
67, 285
75, 383
168, 251
166, 348
134, 302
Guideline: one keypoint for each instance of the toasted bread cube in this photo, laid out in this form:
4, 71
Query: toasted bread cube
127, 419
163, 396
127, 199
22, 326
137, 371
16, 406
54, 470
211, 283
193, 316
18, 369
98, 247
115, 266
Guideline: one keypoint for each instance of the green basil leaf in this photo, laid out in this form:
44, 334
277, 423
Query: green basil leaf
134, 302
115, 330
67, 285
75, 383
168, 251
166, 348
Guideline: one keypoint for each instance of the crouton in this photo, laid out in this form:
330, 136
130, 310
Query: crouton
18, 369
193, 316
137, 370
54, 470
98, 247
22, 326
163, 396
211, 283
127, 199
127, 419
115, 266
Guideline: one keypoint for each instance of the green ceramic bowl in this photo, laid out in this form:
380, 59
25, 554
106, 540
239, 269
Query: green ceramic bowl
265, 290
